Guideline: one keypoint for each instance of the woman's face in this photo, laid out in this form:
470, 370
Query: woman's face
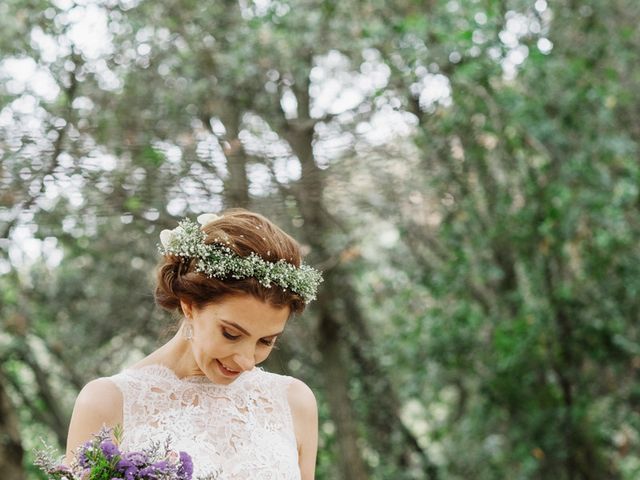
233, 335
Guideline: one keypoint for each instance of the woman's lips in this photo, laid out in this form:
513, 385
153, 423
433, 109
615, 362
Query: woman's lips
225, 371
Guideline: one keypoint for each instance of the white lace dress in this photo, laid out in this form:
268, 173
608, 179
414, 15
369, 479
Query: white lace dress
242, 431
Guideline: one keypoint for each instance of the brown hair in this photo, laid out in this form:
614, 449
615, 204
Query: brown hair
245, 232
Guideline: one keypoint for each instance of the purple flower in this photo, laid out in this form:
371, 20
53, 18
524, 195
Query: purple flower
131, 473
136, 459
83, 461
186, 466
152, 471
109, 449
161, 467
124, 464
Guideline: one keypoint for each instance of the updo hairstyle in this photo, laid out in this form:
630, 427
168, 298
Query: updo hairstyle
245, 232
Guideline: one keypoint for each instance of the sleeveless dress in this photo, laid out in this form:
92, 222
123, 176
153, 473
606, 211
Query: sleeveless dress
240, 431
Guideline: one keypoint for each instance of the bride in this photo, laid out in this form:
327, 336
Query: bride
235, 281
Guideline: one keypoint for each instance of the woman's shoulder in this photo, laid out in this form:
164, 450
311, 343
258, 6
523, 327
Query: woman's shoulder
301, 398
98, 404
298, 392
101, 395
295, 388
304, 413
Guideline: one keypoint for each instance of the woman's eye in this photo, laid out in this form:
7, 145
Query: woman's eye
268, 343
229, 336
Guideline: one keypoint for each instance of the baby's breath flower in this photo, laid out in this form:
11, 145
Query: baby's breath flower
217, 260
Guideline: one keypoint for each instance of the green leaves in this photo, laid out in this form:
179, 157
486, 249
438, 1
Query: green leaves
152, 156
515, 281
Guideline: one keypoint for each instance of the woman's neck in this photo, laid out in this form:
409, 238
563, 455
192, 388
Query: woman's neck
176, 354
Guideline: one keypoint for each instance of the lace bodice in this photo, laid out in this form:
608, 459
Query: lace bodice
242, 431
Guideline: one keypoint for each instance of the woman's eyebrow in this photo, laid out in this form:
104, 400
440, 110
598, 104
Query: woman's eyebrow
235, 325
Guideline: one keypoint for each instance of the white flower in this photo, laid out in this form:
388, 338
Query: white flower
207, 218
166, 236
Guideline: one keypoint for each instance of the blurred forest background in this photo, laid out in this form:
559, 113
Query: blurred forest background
466, 172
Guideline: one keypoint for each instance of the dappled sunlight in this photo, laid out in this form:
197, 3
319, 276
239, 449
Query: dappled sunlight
465, 173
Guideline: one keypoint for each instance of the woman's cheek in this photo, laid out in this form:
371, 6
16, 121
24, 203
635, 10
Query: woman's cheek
262, 356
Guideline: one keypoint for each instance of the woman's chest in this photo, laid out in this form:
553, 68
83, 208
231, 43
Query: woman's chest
234, 435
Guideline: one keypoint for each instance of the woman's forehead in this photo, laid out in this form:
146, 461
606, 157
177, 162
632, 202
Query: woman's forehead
249, 313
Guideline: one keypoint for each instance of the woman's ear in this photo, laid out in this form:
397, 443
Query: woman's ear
186, 309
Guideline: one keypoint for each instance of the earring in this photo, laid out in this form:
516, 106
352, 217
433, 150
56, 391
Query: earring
187, 331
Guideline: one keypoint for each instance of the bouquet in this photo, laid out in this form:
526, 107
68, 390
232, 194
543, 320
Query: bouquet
101, 459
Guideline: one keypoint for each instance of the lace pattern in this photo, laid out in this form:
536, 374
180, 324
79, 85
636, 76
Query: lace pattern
242, 431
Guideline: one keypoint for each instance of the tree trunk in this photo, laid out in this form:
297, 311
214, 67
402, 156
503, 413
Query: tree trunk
330, 342
336, 374
383, 420
11, 452
236, 186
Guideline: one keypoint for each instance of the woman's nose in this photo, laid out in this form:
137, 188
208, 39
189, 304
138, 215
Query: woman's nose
244, 361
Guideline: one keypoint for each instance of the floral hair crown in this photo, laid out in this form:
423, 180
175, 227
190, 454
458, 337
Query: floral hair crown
217, 260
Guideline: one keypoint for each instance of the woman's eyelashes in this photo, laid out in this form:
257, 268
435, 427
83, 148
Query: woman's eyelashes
229, 336
267, 342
